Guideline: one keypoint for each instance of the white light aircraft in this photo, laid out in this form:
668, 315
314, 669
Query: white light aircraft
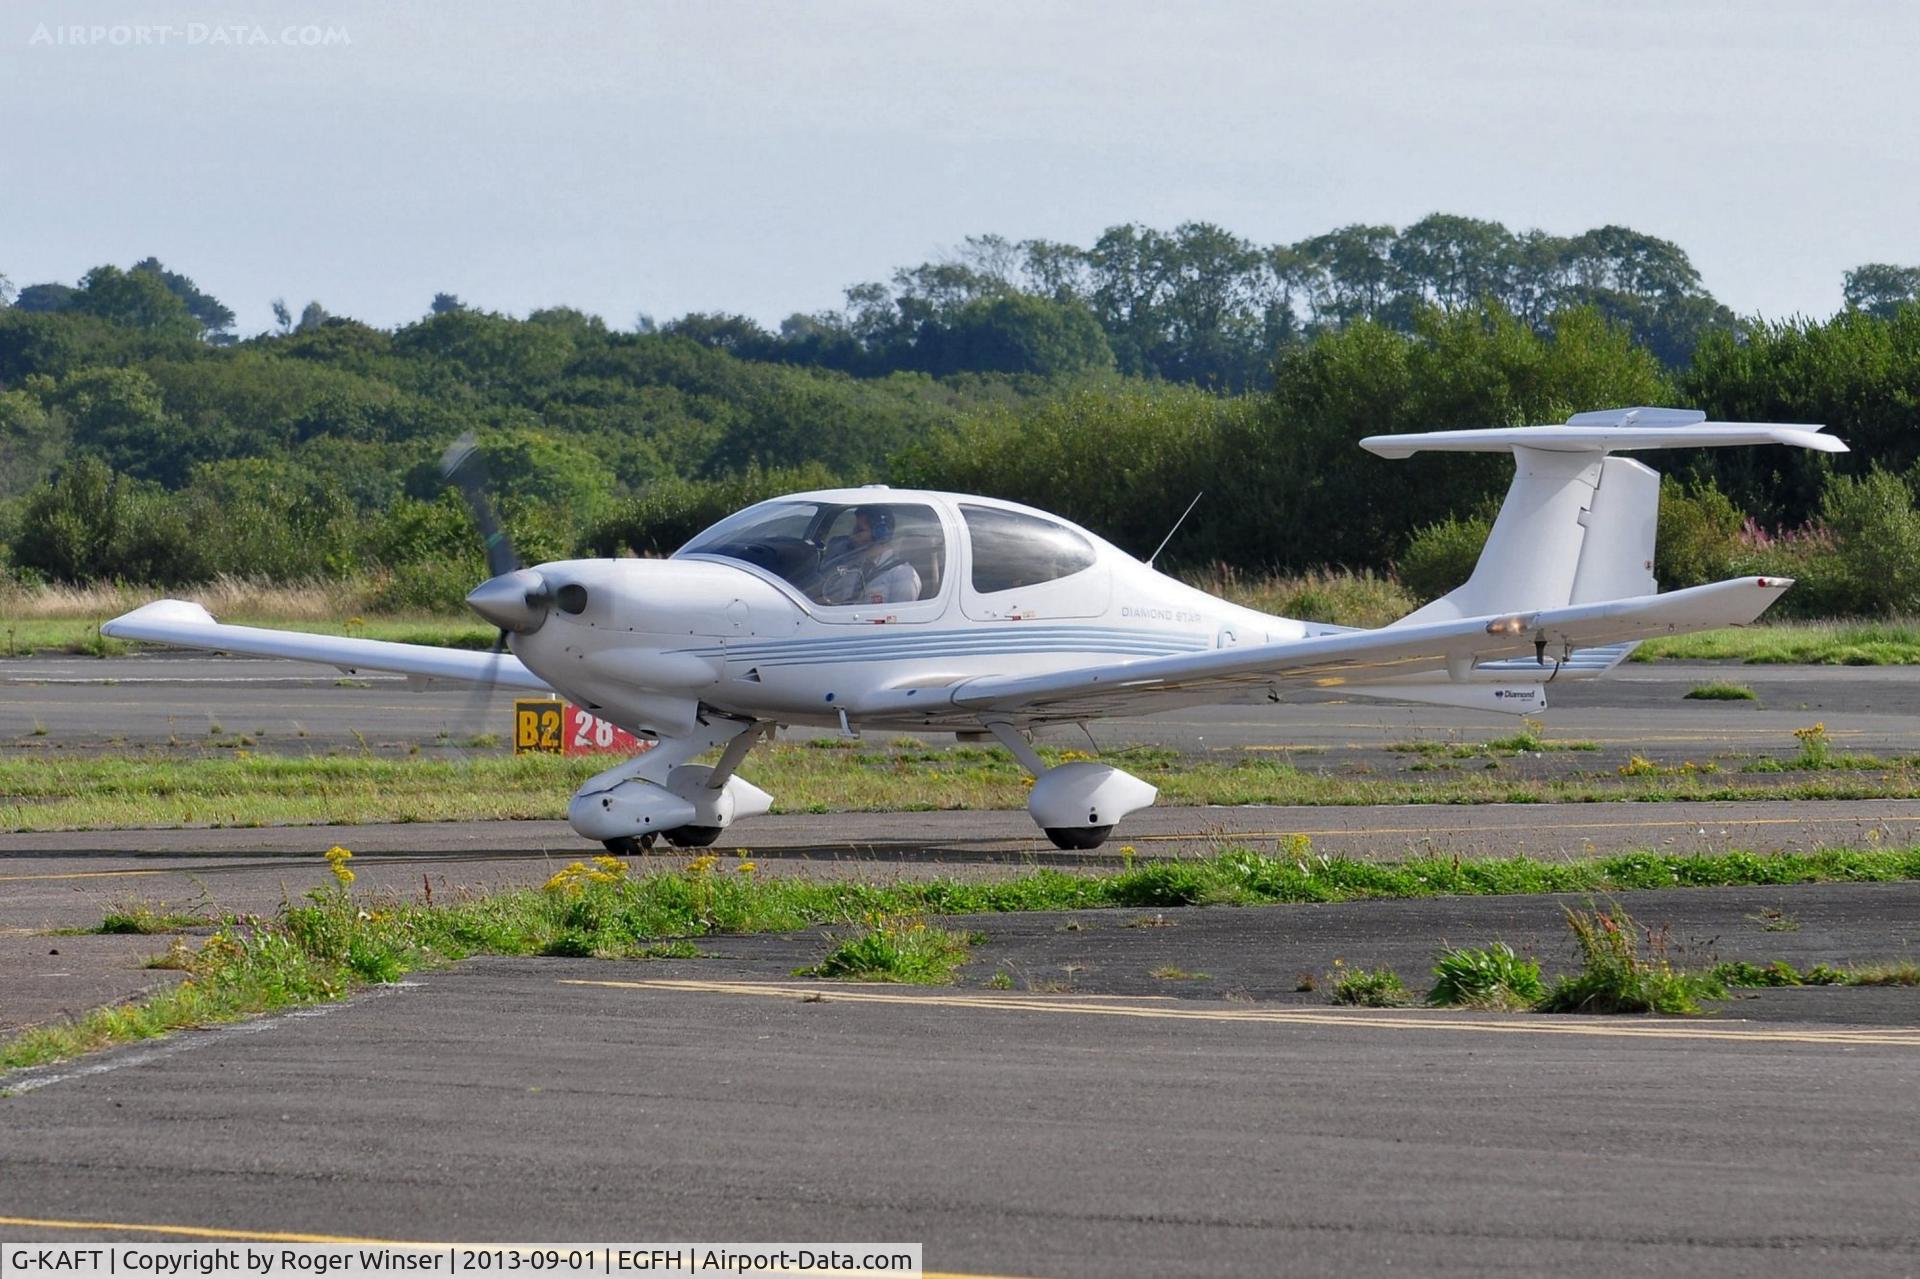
897, 609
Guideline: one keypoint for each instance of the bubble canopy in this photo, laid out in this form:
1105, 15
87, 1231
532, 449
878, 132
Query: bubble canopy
836, 552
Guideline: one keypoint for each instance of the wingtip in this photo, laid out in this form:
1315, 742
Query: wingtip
175, 612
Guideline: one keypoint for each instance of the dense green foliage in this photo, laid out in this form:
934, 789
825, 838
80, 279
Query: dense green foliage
140, 441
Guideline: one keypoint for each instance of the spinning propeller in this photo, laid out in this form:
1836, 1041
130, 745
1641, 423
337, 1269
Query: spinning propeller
513, 598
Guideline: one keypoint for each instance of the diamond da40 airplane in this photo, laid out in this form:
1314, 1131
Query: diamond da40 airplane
910, 610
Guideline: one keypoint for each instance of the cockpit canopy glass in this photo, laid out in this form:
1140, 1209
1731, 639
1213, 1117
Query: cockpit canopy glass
1012, 549
837, 553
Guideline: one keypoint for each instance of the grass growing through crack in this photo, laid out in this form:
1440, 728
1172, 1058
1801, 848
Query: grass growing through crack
1625, 968
1781, 973
1720, 690
1369, 988
896, 949
141, 918
1525, 742
1485, 977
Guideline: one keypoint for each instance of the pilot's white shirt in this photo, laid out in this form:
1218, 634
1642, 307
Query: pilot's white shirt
899, 584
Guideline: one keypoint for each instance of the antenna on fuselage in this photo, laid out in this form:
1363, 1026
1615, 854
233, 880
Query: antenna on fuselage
1176, 527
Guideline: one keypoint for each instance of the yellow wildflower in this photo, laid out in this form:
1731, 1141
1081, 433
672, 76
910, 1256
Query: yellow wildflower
566, 879
337, 858
702, 864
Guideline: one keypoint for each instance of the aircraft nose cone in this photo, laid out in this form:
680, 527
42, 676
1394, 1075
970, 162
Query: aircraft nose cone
516, 601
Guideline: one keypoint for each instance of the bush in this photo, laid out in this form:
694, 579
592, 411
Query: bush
1339, 596
438, 585
668, 514
1861, 558
1877, 533
1699, 535
1808, 555
1441, 556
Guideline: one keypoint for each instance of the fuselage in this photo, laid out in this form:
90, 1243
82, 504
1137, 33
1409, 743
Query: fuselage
779, 614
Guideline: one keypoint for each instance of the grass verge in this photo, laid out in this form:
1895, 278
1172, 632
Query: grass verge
23, 637
1891, 643
235, 786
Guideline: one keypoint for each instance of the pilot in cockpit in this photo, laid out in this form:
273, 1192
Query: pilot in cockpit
863, 566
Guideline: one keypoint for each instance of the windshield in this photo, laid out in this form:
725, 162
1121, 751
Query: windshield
837, 553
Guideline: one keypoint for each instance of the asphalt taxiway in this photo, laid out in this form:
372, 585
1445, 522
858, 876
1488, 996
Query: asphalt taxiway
1155, 1093
158, 699
1052, 1129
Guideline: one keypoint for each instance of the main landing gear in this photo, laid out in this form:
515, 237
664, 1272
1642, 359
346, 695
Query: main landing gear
679, 837
1077, 805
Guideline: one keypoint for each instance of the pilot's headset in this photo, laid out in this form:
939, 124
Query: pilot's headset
880, 520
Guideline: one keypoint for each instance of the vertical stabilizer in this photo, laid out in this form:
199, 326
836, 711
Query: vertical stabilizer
1534, 551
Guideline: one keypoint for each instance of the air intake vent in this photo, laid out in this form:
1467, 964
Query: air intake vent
572, 598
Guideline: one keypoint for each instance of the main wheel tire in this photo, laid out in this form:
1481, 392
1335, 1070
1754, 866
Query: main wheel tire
692, 836
1077, 837
630, 845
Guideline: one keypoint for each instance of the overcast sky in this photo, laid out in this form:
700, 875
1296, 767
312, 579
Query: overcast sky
668, 157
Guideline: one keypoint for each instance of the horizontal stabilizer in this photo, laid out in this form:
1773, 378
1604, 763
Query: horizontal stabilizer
1609, 431
1503, 699
188, 625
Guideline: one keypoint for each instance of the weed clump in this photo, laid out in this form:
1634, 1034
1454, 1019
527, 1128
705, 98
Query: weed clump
1625, 969
1720, 690
141, 919
1490, 977
1779, 973
897, 950
1816, 748
1369, 988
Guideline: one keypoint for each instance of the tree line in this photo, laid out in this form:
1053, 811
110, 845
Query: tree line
139, 440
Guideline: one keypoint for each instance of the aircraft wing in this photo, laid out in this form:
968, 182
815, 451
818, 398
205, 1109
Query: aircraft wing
188, 625
1335, 661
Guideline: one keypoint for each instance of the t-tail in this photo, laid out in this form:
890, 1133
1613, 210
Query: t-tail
1577, 526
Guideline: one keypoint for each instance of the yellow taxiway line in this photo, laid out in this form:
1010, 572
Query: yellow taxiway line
1531, 828
288, 1236
210, 1232
96, 874
1121, 1006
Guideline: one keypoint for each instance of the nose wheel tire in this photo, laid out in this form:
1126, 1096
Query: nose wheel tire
692, 836
630, 845
1072, 837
